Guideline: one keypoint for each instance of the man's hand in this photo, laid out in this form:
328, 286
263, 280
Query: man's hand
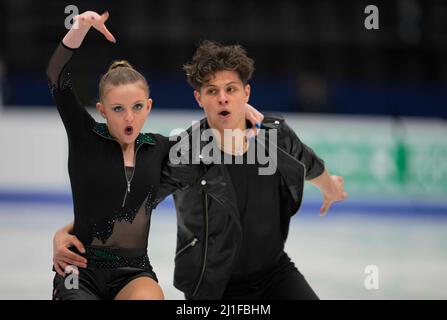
62, 256
335, 192
332, 188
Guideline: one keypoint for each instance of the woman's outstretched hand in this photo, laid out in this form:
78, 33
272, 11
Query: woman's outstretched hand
82, 24
95, 20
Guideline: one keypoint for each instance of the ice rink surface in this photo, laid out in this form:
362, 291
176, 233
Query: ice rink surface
333, 252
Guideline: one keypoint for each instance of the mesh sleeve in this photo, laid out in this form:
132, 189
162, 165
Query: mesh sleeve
57, 65
76, 119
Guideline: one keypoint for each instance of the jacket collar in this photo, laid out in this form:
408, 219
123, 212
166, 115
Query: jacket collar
270, 121
102, 130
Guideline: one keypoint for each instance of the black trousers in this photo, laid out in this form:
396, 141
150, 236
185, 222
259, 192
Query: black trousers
282, 281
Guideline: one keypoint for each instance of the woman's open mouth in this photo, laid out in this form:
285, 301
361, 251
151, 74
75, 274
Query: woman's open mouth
128, 130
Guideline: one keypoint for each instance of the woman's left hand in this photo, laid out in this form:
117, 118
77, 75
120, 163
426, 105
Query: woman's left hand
255, 117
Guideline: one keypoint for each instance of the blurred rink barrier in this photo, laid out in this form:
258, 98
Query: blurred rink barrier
388, 241
383, 159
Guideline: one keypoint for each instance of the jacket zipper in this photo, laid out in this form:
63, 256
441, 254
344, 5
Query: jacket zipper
205, 254
131, 177
124, 167
191, 244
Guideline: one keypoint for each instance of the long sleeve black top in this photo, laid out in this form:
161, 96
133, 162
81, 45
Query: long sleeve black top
112, 208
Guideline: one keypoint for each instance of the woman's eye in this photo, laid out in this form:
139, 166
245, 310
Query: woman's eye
138, 106
118, 109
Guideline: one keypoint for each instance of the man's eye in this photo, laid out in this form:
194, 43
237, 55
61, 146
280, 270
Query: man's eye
118, 109
212, 91
230, 89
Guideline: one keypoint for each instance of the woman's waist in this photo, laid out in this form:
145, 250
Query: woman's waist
105, 257
110, 252
113, 252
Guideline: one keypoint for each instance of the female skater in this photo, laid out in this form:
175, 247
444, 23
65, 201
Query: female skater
112, 185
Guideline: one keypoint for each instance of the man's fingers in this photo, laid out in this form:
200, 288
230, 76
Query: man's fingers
78, 244
73, 257
58, 269
324, 208
76, 263
341, 197
63, 266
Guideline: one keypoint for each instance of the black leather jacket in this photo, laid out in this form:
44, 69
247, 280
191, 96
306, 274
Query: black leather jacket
208, 224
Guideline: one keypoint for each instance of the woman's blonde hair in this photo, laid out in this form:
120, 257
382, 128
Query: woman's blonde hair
121, 72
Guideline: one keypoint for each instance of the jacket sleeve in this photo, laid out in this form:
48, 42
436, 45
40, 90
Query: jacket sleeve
177, 175
303, 153
75, 118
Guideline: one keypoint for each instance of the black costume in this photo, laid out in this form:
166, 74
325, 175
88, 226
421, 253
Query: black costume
112, 203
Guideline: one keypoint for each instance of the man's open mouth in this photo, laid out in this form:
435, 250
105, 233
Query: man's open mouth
224, 113
128, 130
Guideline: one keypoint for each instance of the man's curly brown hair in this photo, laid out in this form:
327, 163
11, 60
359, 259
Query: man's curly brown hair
211, 57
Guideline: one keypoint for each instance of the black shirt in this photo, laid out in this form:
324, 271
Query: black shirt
258, 201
